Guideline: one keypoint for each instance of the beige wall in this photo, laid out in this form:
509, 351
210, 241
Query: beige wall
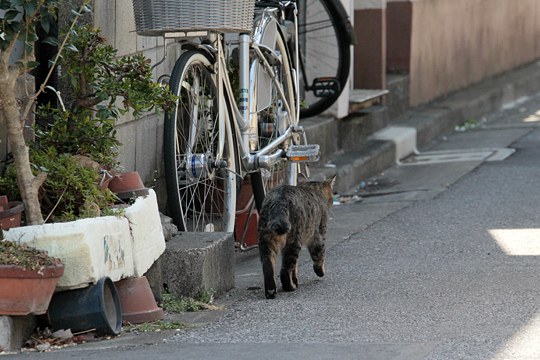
455, 43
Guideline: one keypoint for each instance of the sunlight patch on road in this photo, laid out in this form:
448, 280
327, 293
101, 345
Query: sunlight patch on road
533, 117
518, 242
524, 344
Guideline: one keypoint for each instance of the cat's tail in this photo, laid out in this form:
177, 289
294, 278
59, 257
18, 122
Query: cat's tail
280, 225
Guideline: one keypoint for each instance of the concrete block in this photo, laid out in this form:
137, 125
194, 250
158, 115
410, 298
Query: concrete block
147, 144
126, 133
198, 262
147, 232
104, 18
15, 330
154, 275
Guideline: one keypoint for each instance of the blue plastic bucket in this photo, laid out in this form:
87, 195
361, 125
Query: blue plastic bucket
93, 308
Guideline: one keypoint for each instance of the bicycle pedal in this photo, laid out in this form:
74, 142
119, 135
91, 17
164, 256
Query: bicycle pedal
326, 87
304, 153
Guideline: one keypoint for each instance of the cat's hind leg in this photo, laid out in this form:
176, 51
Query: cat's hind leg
268, 250
289, 264
317, 249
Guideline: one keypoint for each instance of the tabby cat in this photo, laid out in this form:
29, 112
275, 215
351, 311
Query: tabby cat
292, 216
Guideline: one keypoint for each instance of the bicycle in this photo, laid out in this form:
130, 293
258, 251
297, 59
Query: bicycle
210, 140
325, 36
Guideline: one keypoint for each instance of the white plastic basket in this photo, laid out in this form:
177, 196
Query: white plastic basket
156, 17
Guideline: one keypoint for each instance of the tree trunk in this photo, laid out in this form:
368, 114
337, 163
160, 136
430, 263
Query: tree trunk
28, 183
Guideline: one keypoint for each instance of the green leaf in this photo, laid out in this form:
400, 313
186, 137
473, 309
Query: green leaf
11, 15
31, 37
51, 41
45, 25
72, 47
32, 64
29, 7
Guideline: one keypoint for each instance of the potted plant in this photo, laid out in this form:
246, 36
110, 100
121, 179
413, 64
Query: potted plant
28, 278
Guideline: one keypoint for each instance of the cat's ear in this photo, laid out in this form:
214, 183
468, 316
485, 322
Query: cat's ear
331, 181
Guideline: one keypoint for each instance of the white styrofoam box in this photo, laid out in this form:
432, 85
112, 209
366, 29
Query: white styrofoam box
146, 231
89, 248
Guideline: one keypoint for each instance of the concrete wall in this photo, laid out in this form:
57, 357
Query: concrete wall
455, 43
141, 138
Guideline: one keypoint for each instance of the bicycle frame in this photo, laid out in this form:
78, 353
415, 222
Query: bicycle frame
245, 113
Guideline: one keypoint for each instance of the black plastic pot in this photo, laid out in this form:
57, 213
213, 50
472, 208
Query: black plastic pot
96, 307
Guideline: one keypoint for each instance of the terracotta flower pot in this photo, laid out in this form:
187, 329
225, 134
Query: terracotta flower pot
246, 220
24, 292
10, 216
137, 301
126, 185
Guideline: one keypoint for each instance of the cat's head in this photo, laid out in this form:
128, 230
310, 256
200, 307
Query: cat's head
328, 189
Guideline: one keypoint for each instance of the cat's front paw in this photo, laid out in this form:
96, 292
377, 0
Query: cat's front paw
319, 270
270, 293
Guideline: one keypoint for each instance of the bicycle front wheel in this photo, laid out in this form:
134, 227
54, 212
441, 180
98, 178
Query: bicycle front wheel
274, 121
324, 38
199, 155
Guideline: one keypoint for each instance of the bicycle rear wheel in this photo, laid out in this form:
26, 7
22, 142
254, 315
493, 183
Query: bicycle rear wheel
324, 38
199, 156
274, 120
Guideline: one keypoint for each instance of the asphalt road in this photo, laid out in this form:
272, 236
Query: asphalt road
439, 261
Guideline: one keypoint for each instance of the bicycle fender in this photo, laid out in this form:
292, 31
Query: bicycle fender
204, 49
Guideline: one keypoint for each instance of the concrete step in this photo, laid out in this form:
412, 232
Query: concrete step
354, 130
322, 130
336, 136
355, 165
360, 99
397, 100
